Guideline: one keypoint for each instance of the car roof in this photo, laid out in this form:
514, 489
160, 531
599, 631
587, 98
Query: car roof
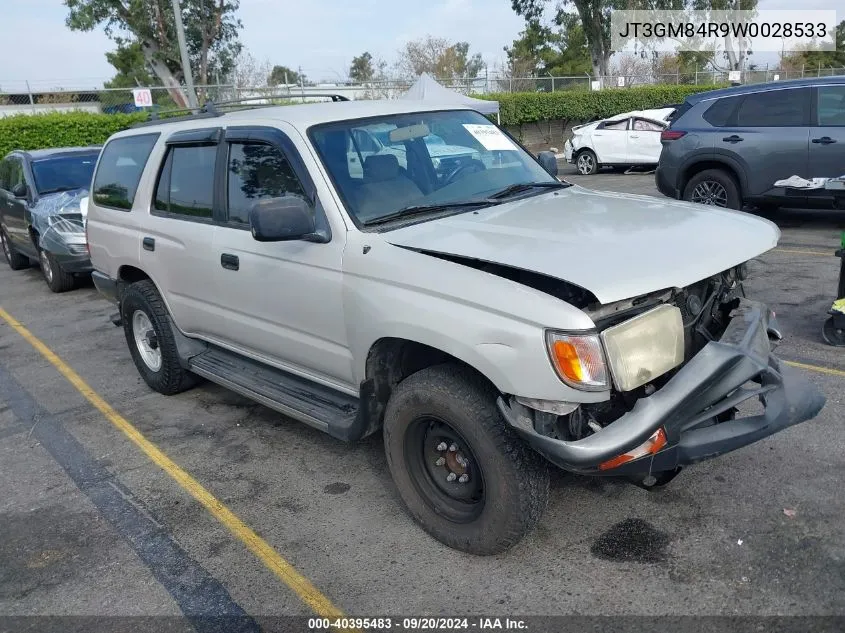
761, 87
301, 116
55, 152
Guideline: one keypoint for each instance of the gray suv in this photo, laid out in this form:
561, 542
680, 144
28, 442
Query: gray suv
728, 147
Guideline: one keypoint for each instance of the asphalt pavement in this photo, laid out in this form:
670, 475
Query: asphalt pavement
91, 525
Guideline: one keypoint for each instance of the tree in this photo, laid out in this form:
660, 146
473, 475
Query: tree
544, 50
211, 34
819, 59
281, 75
361, 69
248, 72
437, 57
131, 66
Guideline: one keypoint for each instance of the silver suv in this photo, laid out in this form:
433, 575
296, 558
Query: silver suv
489, 318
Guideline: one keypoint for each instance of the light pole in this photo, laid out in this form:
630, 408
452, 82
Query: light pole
183, 51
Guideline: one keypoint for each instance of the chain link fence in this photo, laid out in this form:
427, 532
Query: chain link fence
22, 99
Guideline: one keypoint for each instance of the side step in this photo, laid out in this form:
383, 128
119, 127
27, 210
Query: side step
323, 408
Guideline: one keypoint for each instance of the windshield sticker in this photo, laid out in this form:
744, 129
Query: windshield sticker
489, 136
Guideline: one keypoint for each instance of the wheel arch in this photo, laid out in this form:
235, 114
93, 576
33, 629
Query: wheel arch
721, 163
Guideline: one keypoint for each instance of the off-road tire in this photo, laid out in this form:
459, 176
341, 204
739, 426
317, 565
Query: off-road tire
723, 178
15, 260
171, 378
516, 479
59, 280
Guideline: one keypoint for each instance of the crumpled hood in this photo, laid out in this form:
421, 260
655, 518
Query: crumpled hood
617, 246
59, 219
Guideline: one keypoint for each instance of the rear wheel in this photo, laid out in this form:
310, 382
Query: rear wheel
833, 335
147, 327
57, 279
15, 260
461, 471
713, 187
587, 163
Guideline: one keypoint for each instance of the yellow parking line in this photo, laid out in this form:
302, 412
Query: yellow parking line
803, 251
821, 370
286, 572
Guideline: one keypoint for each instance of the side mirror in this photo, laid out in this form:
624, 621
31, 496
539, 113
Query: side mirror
282, 220
20, 191
549, 162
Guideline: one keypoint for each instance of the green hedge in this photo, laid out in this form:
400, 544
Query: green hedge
61, 129
516, 108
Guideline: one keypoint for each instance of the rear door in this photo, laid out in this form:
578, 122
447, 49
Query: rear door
827, 136
768, 134
644, 142
15, 205
610, 141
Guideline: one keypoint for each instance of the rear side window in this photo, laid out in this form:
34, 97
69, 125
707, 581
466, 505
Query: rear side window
831, 107
119, 171
722, 111
775, 108
186, 183
256, 172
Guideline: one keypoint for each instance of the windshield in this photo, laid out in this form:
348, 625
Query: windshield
64, 173
383, 165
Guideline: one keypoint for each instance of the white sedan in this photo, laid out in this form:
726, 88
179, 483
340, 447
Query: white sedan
624, 140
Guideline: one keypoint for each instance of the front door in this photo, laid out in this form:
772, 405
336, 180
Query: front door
284, 300
16, 196
827, 136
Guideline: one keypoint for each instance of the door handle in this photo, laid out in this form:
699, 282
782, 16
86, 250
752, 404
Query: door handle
824, 140
733, 138
230, 262
149, 244
634, 136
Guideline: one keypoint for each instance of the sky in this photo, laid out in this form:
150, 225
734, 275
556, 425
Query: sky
321, 36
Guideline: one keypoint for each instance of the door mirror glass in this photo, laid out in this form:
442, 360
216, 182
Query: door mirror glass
282, 219
549, 162
20, 190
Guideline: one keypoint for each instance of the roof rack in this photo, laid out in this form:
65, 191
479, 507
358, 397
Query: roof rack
211, 109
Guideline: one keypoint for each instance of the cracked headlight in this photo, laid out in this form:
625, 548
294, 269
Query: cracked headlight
644, 347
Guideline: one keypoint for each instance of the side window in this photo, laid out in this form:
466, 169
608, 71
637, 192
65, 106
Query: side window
186, 182
5, 180
644, 125
119, 170
775, 108
256, 172
11, 174
721, 113
614, 125
831, 107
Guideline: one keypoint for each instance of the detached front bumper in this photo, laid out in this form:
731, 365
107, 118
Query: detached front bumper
713, 382
567, 151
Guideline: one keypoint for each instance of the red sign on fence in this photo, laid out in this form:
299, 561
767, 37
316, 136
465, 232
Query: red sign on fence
143, 97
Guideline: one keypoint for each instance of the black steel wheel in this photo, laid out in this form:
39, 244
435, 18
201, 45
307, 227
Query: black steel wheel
833, 335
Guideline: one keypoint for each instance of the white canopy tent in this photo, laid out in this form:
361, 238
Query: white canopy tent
427, 89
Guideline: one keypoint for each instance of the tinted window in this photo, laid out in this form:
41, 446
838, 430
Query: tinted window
186, 183
63, 173
721, 112
775, 108
120, 168
256, 172
11, 173
831, 108
615, 125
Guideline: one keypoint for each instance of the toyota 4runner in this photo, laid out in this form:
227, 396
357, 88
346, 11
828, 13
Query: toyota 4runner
489, 318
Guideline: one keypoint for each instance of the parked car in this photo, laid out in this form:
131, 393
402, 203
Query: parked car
728, 147
624, 140
483, 322
42, 211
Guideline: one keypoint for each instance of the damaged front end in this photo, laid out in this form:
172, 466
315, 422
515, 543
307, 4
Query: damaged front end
58, 225
685, 415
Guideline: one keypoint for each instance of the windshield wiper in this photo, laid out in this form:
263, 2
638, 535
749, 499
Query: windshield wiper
525, 186
423, 209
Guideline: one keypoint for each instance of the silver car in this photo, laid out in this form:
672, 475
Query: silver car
487, 323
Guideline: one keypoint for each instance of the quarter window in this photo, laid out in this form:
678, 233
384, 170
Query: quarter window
256, 172
186, 183
119, 170
775, 108
721, 113
831, 108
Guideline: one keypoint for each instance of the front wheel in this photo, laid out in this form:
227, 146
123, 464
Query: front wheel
833, 335
587, 163
461, 471
57, 279
713, 187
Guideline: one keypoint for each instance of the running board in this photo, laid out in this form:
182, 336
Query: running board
322, 407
